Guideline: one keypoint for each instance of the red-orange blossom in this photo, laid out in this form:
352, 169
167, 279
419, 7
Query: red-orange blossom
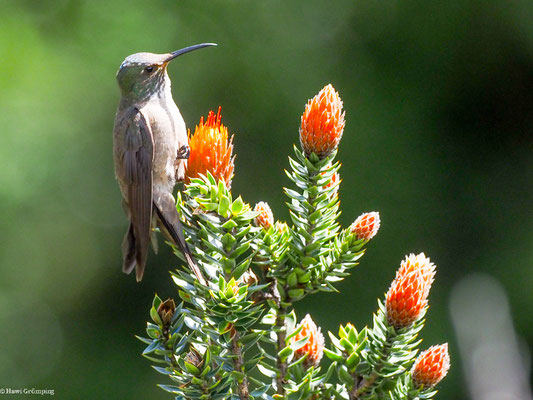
210, 150
322, 123
407, 296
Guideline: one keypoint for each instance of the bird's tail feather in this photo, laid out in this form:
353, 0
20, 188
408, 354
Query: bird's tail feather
170, 224
132, 255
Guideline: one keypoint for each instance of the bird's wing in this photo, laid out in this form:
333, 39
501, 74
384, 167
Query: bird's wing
135, 151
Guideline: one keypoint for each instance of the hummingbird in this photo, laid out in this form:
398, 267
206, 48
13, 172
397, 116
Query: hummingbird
150, 150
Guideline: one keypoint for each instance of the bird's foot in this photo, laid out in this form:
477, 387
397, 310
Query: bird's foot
184, 152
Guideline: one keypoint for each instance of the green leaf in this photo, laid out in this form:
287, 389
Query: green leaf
308, 261
223, 327
240, 250
345, 377
293, 333
224, 207
161, 370
342, 332
335, 341
228, 240
315, 216
290, 319
260, 391
299, 361
360, 346
153, 331
347, 345
214, 385
281, 290
353, 361
197, 381
292, 280
144, 340
154, 359
296, 294
207, 357
266, 370
333, 356
210, 179
330, 371
285, 353
305, 277
210, 206
228, 264
229, 224
206, 370
238, 376
299, 343
237, 206
352, 336
294, 195
156, 302
171, 389
191, 368
151, 347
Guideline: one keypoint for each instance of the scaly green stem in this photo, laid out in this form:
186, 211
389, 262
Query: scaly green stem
364, 386
311, 227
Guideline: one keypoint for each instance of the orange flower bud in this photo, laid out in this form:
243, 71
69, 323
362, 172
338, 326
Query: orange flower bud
366, 226
431, 366
265, 218
322, 123
210, 150
314, 347
407, 296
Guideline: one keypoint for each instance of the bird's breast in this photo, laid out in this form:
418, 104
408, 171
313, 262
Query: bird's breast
169, 132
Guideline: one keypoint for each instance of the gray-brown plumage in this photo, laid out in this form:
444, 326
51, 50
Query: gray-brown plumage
150, 150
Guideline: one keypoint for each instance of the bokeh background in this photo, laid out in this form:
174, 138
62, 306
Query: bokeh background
439, 109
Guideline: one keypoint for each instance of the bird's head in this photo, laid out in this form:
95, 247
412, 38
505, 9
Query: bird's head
143, 74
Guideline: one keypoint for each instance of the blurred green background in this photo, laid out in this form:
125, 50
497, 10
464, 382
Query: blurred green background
439, 120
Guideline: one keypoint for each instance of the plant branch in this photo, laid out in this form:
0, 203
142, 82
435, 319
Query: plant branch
281, 313
242, 386
365, 385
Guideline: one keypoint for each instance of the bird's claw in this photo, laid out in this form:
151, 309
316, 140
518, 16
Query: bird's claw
184, 152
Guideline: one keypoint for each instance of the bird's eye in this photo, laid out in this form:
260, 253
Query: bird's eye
149, 69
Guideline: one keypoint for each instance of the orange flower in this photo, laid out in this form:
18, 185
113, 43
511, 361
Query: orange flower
314, 347
366, 226
431, 366
322, 123
265, 217
210, 150
407, 296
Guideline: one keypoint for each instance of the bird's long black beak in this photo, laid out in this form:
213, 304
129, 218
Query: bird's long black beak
178, 53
